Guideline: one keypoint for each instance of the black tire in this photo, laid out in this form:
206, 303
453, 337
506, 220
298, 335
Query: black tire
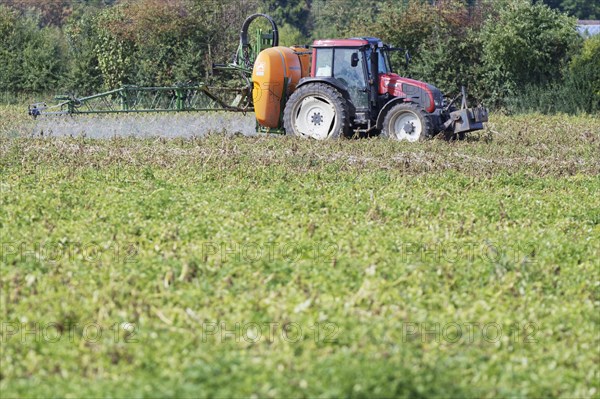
416, 126
318, 111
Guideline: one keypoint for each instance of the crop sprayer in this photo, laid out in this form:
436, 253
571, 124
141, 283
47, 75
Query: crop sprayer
335, 88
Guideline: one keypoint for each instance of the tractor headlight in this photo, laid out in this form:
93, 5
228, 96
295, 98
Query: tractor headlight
438, 99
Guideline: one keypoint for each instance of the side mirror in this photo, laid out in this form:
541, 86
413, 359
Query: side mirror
354, 60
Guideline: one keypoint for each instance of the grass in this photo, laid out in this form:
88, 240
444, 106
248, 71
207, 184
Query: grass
276, 267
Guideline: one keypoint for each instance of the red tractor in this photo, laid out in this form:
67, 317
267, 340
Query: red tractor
348, 89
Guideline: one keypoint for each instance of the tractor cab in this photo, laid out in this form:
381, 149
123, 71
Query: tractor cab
349, 63
360, 67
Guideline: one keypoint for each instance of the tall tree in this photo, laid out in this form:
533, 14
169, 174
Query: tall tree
291, 12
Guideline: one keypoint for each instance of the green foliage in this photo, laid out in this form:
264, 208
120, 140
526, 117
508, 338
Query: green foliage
84, 75
586, 65
442, 39
50, 13
31, 59
290, 36
525, 44
582, 9
150, 43
294, 13
373, 236
498, 50
343, 18
113, 49
578, 92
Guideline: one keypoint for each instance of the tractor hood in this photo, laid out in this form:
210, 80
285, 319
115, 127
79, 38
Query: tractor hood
428, 96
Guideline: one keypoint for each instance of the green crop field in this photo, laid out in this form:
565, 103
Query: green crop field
236, 266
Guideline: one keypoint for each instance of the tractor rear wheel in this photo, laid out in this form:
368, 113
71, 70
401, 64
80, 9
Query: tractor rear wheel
316, 111
407, 122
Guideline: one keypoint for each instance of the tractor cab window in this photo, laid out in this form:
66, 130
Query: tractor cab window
351, 76
324, 62
384, 64
337, 63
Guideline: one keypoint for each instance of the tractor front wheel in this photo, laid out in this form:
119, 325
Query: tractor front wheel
407, 122
316, 111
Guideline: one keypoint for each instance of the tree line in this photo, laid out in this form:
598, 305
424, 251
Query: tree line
516, 55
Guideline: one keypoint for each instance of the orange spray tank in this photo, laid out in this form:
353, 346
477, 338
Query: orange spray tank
276, 69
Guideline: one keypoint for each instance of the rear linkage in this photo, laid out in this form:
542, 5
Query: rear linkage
465, 119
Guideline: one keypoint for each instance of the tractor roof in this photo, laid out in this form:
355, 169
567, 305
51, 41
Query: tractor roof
352, 42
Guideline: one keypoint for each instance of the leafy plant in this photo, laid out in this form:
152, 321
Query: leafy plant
31, 59
525, 44
391, 247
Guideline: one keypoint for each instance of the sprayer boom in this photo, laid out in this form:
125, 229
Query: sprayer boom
132, 99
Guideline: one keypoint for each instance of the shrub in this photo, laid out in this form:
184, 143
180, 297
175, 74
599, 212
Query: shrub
524, 45
154, 42
583, 74
442, 38
31, 58
578, 92
84, 75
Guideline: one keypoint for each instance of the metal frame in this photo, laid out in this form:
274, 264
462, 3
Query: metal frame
134, 99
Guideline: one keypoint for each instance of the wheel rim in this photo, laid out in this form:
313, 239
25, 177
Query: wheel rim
406, 126
315, 117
